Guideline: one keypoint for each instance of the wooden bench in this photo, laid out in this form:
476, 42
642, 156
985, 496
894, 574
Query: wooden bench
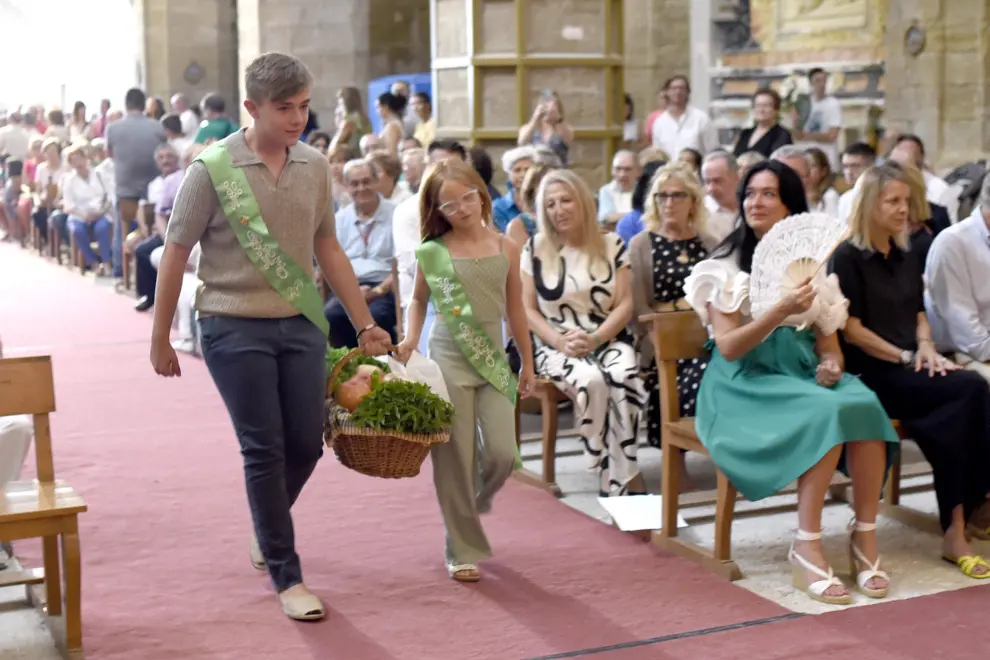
680, 335
44, 508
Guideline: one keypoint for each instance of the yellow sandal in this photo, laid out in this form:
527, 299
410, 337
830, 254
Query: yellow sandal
967, 564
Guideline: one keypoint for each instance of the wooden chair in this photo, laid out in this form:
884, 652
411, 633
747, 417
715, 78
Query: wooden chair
44, 508
680, 335
549, 398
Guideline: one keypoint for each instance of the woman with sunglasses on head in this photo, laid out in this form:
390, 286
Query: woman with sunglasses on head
471, 275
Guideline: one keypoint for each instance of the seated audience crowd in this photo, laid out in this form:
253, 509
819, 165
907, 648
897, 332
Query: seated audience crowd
904, 333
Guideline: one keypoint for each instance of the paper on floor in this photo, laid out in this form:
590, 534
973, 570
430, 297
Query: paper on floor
634, 513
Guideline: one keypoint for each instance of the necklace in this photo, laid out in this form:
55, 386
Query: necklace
683, 257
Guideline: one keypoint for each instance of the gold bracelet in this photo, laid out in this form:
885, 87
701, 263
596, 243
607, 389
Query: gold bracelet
365, 329
923, 340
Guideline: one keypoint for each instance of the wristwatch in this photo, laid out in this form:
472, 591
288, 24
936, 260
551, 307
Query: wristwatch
907, 357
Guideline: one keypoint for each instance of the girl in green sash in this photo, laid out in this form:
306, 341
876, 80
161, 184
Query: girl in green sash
472, 275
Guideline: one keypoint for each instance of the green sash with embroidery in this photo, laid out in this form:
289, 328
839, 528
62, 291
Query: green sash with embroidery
244, 214
454, 306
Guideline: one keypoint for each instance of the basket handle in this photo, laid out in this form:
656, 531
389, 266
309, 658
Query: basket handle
342, 362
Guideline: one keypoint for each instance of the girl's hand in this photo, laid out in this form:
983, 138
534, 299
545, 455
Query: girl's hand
404, 350
829, 372
527, 381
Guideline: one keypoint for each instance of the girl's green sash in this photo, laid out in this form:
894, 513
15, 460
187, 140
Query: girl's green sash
244, 214
454, 306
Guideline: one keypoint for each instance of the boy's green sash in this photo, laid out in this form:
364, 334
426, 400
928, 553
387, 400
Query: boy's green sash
241, 208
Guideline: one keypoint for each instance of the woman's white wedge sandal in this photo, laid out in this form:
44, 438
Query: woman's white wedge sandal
857, 559
815, 590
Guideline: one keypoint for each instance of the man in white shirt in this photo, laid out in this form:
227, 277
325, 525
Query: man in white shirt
720, 171
824, 122
179, 140
615, 197
15, 139
406, 233
909, 151
86, 201
856, 159
682, 126
957, 298
188, 118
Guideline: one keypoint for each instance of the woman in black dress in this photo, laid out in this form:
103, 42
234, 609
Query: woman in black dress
888, 342
662, 257
767, 135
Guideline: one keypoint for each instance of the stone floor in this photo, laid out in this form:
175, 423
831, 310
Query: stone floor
759, 543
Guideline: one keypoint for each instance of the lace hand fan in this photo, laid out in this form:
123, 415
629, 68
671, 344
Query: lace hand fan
795, 249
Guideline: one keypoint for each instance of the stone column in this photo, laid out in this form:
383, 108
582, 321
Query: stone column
658, 36
941, 93
494, 58
343, 42
188, 46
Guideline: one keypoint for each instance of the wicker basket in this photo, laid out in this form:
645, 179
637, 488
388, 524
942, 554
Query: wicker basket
374, 452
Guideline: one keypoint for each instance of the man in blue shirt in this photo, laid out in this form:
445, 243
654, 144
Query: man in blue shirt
364, 230
515, 162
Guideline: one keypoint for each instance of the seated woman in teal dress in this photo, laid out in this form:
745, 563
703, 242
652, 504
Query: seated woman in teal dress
774, 404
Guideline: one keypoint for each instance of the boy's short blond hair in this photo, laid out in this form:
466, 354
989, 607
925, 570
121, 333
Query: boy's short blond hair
276, 77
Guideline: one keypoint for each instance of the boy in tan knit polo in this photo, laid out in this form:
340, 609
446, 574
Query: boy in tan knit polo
258, 202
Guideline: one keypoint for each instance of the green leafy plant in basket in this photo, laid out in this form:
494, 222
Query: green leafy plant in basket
404, 406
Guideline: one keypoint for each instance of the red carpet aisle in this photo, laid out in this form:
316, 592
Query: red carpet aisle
166, 572
946, 626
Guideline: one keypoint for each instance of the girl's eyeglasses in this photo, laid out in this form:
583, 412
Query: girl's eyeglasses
453, 208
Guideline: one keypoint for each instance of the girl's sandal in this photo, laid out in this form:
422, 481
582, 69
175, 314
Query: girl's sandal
968, 565
463, 572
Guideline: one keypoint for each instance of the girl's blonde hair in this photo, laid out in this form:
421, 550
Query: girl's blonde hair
591, 240
683, 174
871, 187
433, 223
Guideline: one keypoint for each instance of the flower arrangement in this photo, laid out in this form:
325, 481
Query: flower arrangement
795, 99
792, 89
